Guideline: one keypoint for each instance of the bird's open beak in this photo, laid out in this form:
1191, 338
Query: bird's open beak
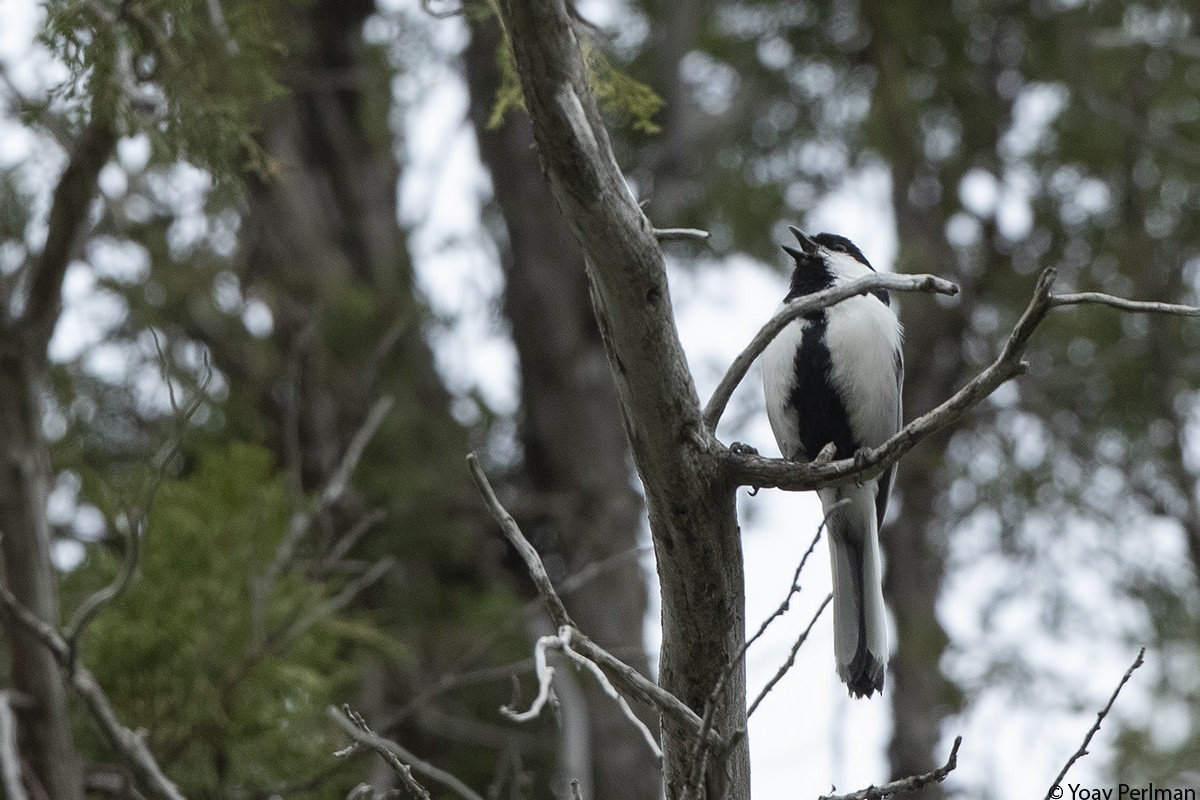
807, 246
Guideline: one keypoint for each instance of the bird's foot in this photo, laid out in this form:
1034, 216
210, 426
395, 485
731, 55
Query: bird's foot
860, 463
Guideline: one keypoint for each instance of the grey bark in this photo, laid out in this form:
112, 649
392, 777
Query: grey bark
25, 472
576, 454
691, 503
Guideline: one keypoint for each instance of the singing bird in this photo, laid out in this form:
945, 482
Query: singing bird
835, 376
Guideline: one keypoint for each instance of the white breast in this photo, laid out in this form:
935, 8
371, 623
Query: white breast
863, 336
779, 379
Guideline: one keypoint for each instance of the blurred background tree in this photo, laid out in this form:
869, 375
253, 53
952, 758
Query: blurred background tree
248, 215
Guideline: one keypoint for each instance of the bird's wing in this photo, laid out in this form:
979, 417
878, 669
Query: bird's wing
889, 476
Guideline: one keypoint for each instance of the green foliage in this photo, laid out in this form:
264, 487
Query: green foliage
178, 655
620, 95
196, 85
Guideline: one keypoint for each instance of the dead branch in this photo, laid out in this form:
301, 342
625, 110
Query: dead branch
807, 305
545, 675
753, 470
302, 518
130, 744
791, 659
1087, 739
137, 516
403, 762
357, 729
700, 748
910, 784
617, 671
680, 234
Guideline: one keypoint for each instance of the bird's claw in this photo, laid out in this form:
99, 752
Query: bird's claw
860, 463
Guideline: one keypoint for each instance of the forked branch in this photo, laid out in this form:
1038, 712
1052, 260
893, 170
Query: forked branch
753, 470
622, 676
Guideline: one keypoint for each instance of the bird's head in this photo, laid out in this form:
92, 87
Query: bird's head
824, 260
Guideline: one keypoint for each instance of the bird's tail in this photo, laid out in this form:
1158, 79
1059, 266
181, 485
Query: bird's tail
859, 617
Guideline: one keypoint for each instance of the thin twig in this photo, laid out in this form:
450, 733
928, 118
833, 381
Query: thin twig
512, 532
545, 679
393, 753
566, 635
791, 659
357, 729
1132, 306
807, 305
1083, 751
302, 518
680, 234
137, 516
910, 784
699, 755
545, 675
620, 673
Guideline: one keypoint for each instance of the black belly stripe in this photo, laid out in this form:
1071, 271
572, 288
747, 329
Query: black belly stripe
818, 405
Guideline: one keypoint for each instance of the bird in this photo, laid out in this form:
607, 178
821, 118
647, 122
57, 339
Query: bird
834, 376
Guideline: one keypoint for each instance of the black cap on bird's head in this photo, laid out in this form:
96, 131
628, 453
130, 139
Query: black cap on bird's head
819, 263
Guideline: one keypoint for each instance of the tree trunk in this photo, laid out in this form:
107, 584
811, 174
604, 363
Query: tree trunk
690, 499
576, 455
26, 475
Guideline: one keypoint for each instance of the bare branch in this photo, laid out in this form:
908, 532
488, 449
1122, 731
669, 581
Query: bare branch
302, 519
753, 470
910, 784
512, 532
545, 675
791, 659
1132, 306
357, 729
1083, 751
130, 744
545, 678
397, 757
137, 516
620, 673
10, 758
807, 305
680, 234
700, 748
